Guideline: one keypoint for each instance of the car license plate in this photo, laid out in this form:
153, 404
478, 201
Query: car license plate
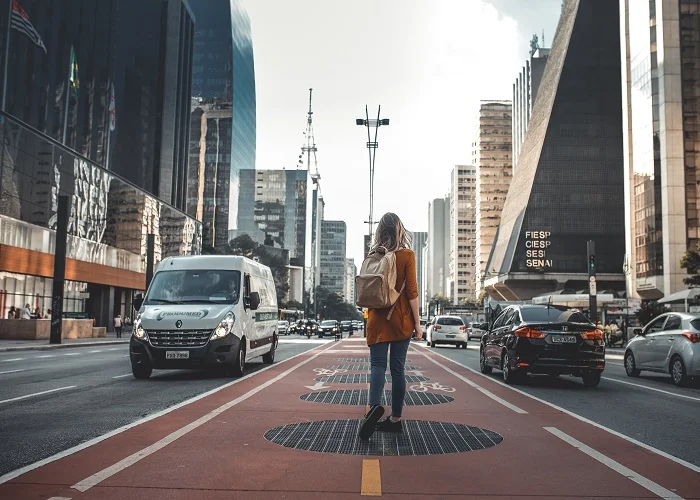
177, 354
564, 339
451, 336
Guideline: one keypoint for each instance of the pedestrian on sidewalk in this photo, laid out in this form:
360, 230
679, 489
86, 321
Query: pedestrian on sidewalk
118, 325
389, 331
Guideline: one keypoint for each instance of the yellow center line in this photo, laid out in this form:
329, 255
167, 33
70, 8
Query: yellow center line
371, 478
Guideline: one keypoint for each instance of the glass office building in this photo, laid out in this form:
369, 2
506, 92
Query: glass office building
333, 249
661, 112
568, 187
99, 112
223, 137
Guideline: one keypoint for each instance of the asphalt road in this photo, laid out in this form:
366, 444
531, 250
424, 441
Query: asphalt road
52, 401
649, 409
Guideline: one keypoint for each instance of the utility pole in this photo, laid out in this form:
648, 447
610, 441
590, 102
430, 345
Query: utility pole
592, 289
59, 269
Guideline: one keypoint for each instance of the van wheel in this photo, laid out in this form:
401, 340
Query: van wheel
269, 357
141, 371
238, 367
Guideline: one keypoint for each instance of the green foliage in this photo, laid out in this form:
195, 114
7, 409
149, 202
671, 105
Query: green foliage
293, 304
440, 299
649, 310
691, 263
330, 305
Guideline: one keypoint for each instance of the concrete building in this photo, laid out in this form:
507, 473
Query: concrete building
417, 244
661, 140
568, 187
492, 156
462, 234
524, 94
438, 244
350, 273
332, 256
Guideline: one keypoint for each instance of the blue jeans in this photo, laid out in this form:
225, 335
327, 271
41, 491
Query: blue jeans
378, 355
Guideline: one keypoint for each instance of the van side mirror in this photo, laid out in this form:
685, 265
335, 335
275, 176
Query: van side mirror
254, 300
138, 301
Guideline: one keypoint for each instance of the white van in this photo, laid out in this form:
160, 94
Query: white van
205, 311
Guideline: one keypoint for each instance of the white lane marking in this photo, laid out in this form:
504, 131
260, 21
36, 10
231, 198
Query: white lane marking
651, 388
303, 341
127, 462
60, 498
47, 356
87, 444
619, 357
38, 394
122, 376
476, 386
642, 481
12, 371
13, 359
647, 447
72, 354
98, 350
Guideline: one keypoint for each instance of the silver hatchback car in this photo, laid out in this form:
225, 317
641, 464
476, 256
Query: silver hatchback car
670, 344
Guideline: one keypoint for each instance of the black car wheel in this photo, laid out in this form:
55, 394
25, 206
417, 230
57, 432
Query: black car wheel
141, 371
485, 369
677, 370
631, 365
591, 379
509, 376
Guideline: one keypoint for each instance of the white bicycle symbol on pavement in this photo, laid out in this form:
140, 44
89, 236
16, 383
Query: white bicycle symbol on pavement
327, 372
424, 386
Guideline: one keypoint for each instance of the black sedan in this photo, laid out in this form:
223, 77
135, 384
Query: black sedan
543, 339
329, 327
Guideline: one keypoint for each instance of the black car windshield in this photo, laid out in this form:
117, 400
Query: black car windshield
552, 314
328, 323
194, 287
450, 321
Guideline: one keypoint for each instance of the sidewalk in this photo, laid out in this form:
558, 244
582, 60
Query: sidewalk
33, 345
290, 431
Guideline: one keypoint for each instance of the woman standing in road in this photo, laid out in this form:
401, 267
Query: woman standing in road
392, 335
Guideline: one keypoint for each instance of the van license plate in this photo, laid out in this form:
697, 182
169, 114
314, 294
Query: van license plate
177, 354
564, 339
451, 336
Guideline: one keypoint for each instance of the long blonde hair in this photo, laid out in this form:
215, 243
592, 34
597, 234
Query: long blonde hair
391, 234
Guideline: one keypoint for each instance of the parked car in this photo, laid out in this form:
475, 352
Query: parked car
447, 330
477, 330
328, 327
283, 328
543, 339
669, 344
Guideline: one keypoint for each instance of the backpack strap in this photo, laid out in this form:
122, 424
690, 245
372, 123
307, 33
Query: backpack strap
388, 317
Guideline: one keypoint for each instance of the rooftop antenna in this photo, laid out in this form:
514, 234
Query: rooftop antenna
310, 147
544, 45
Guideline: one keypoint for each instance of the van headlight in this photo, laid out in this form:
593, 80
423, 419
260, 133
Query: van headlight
139, 332
224, 328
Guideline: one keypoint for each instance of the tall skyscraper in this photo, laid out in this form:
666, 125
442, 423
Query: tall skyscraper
438, 261
223, 138
333, 249
524, 94
350, 273
492, 155
661, 139
417, 245
462, 233
568, 187
97, 112
272, 208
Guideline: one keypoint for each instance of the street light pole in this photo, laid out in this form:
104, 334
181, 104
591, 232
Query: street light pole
372, 151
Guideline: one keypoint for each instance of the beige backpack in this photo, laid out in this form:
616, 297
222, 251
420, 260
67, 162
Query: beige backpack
375, 285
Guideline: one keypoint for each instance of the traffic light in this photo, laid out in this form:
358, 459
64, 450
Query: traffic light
591, 262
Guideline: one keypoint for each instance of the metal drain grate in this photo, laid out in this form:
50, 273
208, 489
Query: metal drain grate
362, 360
363, 378
361, 396
418, 438
367, 366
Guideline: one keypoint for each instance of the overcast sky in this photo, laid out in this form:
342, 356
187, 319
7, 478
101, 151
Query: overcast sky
427, 62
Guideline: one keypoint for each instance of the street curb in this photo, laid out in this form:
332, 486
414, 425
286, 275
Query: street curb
62, 346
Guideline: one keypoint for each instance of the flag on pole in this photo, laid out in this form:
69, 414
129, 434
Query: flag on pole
20, 22
112, 110
75, 82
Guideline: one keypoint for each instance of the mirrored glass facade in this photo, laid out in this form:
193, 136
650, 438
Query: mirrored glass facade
333, 249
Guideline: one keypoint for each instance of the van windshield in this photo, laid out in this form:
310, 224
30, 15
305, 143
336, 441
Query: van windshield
194, 287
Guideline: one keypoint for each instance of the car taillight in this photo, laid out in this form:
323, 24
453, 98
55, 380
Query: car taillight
529, 333
462, 328
693, 337
436, 327
593, 335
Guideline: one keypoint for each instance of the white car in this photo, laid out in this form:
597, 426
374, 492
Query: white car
447, 330
283, 327
669, 344
477, 330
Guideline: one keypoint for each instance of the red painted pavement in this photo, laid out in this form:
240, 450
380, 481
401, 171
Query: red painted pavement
228, 457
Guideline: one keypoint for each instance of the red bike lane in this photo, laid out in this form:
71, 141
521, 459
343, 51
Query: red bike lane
253, 440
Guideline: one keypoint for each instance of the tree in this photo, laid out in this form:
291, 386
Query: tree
691, 263
649, 310
332, 306
243, 245
293, 304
